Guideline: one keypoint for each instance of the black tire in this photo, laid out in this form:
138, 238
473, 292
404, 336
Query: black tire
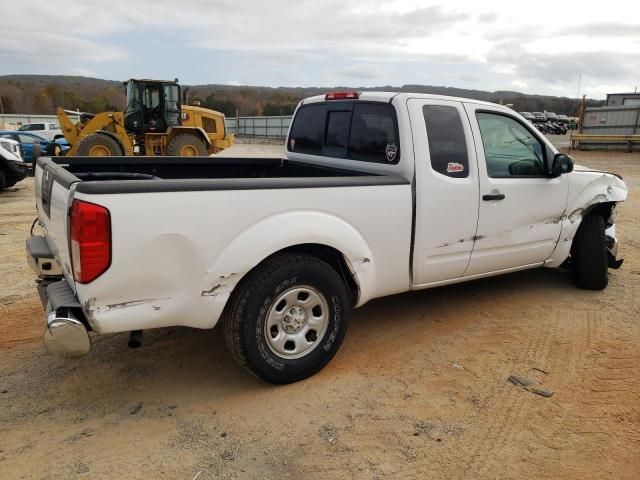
3, 180
589, 255
54, 149
99, 145
187, 145
255, 298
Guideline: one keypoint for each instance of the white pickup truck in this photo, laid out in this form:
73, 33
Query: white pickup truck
47, 130
377, 193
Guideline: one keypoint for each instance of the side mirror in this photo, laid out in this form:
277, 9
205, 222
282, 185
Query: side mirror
561, 164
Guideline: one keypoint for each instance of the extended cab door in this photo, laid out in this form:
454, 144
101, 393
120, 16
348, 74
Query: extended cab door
520, 206
446, 190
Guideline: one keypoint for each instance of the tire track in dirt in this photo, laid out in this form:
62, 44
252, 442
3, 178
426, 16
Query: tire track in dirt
489, 431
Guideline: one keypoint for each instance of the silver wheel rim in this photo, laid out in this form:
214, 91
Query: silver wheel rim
297, 322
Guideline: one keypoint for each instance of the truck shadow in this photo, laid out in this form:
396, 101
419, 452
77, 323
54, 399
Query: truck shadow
180, 366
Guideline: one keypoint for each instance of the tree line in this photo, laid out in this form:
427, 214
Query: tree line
42, 94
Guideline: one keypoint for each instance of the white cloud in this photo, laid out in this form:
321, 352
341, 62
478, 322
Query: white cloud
234, 83
362, 71
519, 84
494, 42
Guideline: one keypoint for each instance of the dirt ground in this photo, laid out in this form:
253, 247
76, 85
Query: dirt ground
418, 390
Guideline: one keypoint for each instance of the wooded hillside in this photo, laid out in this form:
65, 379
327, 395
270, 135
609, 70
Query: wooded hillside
41, 94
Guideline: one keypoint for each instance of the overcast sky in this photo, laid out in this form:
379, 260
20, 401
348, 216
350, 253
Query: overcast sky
533, 47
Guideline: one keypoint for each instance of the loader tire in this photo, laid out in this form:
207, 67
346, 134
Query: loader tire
589, 255
187, 145
99, 145
3, 181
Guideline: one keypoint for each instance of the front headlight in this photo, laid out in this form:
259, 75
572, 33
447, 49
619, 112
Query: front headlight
13, 149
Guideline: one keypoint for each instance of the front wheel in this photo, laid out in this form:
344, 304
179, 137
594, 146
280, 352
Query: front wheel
287, 320
187, 145
99, 145
589, 260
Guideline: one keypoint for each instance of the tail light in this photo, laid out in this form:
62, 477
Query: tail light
90, 240
342, 96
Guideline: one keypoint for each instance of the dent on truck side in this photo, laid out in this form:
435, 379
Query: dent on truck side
587, 190
288, 229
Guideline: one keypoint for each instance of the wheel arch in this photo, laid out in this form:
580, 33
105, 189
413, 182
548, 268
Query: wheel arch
323, 236
599, 197
199, 132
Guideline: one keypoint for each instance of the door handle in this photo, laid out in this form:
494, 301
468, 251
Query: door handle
493, 196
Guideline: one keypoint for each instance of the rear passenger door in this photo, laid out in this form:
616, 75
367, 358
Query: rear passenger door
446, 190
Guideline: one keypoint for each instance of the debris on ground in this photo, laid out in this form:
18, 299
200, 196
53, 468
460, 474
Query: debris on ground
135, 409
530, 385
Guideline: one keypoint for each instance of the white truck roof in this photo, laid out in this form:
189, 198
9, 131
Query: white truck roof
387, 96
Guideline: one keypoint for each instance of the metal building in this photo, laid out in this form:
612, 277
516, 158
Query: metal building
623, 99
620, 116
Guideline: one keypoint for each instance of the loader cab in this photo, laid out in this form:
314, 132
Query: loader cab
152, 106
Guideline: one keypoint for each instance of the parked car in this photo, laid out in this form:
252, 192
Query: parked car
528, 115
563, 119
27, 140
12, 167
364, 204
539, 117
44, 129
551, 117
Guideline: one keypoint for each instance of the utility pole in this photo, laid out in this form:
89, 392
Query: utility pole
579, 82
1, 106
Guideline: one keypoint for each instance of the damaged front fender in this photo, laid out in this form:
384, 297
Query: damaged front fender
588, 190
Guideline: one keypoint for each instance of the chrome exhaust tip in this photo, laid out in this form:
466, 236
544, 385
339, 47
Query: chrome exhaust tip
65, 336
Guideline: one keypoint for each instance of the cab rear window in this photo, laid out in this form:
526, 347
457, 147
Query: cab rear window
365, 131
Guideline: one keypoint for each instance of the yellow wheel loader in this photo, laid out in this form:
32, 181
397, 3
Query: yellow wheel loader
155, 122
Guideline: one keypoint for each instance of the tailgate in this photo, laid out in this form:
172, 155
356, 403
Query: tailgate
54, 188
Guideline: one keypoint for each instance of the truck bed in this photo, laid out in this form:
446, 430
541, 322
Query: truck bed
103, 175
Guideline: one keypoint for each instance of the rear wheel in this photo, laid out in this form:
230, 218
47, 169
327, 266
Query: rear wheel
287, 320
589, 254
187, 145
99, 145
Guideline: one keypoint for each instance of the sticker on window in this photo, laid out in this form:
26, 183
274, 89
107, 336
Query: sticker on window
292, 144
391, 151
454, 167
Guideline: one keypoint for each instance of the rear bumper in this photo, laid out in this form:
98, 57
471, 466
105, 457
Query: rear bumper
65, 331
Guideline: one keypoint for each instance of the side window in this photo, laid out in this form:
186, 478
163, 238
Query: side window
36, 126
447, 142
26, 139
208, 124
374, 133
510, 149
307, 132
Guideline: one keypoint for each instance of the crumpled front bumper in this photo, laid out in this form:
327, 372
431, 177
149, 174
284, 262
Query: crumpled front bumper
612, 248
